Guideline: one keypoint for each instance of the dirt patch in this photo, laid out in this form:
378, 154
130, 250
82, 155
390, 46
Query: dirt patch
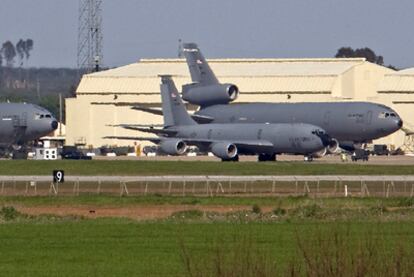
142, 212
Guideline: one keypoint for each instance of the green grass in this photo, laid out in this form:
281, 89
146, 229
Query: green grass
50, 245
30, 167
112, 247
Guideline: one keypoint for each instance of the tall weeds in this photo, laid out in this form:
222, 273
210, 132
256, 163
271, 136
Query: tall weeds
337, 251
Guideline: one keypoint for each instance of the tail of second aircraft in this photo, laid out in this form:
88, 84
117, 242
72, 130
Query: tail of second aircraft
174, 111
200, 71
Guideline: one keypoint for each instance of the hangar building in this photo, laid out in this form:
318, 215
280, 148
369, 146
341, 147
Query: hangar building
104, 98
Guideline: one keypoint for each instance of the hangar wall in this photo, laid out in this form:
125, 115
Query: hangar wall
104, 98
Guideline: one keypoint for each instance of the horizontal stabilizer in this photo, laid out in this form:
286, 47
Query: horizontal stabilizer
148, 110
202, 119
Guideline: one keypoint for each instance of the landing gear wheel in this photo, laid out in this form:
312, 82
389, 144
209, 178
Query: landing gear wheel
308, 158
266, 157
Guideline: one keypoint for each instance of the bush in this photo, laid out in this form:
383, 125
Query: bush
9, 213
256, 209
406, 202
279, 211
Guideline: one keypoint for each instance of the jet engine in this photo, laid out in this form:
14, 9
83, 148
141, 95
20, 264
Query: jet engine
210, 95
350, 145
333, 147
224, 150
320, 153
173, 146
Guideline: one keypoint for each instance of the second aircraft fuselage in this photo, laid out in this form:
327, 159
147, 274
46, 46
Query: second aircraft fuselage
286, 138
344, 121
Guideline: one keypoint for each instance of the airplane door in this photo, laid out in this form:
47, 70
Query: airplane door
369, 117
259, 134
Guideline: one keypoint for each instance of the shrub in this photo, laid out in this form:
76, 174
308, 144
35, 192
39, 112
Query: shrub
279, 211
9, 213
256, 209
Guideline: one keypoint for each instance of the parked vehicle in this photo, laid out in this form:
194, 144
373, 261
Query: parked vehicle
73, 153
360, 154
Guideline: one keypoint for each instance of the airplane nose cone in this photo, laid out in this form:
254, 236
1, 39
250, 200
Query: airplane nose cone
400, 123
54, 124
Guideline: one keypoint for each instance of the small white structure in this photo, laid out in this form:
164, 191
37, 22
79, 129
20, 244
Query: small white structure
45, 154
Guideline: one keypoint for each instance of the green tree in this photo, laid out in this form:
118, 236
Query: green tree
367, 53
20, 48
28, 48
9, 53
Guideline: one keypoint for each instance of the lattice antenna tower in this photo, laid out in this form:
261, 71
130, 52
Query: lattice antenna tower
90, 35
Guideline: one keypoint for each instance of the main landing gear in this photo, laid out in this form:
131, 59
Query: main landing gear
266, 157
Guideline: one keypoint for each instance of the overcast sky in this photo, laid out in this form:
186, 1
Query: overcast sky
135, 29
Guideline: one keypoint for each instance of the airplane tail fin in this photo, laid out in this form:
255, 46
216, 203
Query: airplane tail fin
174, 111
200, 71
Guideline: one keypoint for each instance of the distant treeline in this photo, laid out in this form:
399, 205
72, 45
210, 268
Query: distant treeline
40, 86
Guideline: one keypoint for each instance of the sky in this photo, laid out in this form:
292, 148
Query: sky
134, 29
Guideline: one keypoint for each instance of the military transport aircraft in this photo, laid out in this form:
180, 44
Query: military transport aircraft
350, 124
228, 140
21, 123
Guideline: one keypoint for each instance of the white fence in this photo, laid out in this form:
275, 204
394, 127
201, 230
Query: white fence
314, 186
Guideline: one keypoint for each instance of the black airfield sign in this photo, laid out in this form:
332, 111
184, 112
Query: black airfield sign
58, 176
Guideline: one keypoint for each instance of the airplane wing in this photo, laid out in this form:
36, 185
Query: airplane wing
202, 119
149, 129
154, 140
256, 145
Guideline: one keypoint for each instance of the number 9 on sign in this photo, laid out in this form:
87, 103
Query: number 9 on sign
58, 176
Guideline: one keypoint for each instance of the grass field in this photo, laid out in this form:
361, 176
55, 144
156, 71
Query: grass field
30, 167
374, 233
114, 247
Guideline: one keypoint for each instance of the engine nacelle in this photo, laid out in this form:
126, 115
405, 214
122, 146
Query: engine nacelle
210, 95
173, 146
320, 153
224, 150
333, 147
350, 145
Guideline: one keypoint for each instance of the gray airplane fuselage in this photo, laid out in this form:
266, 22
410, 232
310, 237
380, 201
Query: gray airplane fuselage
344, 121
21, 123
286, 138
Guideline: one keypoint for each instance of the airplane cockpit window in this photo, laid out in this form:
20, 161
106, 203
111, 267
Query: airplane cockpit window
387, 114
318, 132
40, 116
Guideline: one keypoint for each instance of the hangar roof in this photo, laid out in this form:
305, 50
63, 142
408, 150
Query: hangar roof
287, 75
399, 81
236, 67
